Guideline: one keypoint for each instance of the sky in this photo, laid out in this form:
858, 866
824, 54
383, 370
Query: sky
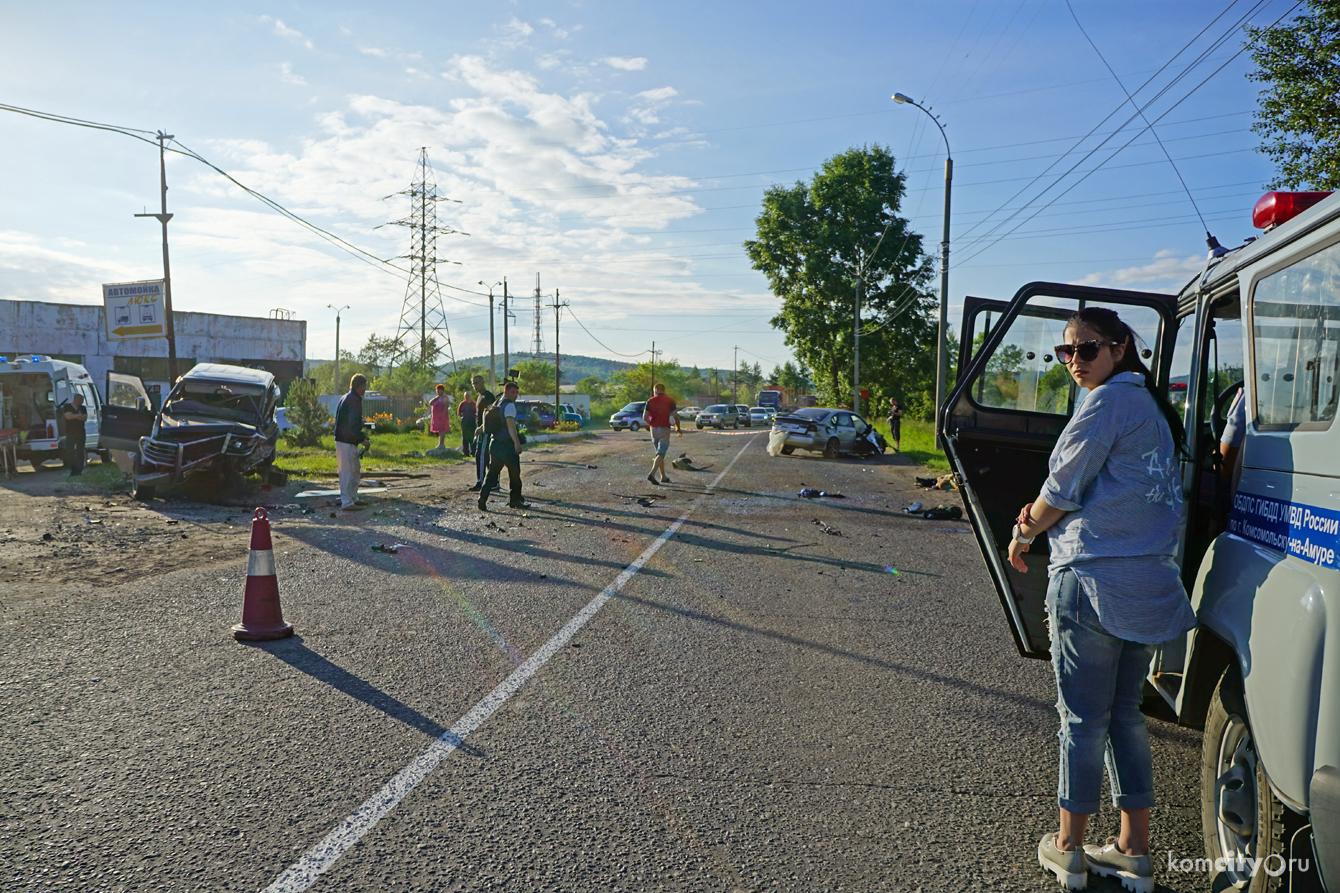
618, 150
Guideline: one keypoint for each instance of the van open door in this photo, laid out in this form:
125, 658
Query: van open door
1006, 411
127, 415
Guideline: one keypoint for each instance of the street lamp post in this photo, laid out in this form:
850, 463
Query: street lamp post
942, 354
338, 310
492, 381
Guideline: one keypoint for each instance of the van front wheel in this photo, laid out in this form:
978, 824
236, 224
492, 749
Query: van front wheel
1241, 818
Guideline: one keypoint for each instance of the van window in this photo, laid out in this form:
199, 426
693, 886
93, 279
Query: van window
1023, 374
1295, 327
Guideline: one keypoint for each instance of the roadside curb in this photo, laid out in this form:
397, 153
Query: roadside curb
563, 435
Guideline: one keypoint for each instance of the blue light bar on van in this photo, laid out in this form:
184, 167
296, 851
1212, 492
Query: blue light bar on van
36, 358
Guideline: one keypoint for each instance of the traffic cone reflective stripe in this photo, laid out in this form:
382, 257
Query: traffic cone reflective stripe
262, 616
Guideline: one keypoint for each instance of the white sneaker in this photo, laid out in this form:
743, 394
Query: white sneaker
1069, 867
1136, 873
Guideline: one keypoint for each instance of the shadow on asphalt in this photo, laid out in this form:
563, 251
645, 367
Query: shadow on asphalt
995, 693
293, 652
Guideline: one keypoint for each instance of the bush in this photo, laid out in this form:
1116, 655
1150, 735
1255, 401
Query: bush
568, 426
385, 423
310, 420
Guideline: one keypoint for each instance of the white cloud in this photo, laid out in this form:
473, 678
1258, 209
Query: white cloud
515, 32
1167, 269
287, 75
542, 184
625, 63
560, 33
288, 33
648, 104
372, 51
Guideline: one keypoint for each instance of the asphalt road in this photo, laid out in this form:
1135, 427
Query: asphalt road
788, 694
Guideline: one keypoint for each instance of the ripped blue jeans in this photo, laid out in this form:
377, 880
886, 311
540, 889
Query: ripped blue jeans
1099, 683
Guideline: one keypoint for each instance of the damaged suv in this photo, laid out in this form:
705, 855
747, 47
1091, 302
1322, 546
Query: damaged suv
217, 418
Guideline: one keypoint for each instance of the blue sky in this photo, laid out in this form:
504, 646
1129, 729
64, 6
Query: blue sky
618, 149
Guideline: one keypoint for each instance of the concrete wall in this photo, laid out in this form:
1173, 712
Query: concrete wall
35, 327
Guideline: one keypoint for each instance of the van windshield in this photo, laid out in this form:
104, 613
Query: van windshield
224, 400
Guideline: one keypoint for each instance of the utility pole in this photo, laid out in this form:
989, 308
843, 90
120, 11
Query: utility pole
557, 375
163, 218
338, 310
538, 349
492, 382
507, 360
653, 367
735, 380
856, 342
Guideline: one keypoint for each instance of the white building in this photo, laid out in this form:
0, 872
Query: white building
77, 333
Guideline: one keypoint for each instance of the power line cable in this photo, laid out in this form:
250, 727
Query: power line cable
602, 343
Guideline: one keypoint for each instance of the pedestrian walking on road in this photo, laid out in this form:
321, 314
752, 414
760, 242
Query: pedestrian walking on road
505, 448
895, 423
659, 412
1111, 503
484, 399
350, 438
76, 444
440, 421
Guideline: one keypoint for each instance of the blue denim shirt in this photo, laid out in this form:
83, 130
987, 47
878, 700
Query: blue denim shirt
1116, 474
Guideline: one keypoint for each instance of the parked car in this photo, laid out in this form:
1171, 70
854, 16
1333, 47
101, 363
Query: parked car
570, 413
761, 415
32, 389
743, 412
688, 413
832, 432
536, 414
1260, 674
216, 418
629, 418
719, 416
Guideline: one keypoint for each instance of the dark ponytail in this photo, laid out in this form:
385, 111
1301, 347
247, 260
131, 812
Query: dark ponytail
1110, 327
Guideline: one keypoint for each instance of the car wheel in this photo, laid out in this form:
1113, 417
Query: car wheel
141, 492
831, 448
634, 427
788, 450
1240, 815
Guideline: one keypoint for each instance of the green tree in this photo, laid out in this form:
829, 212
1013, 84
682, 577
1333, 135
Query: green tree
635, 384
376, 354
818, 240
310, 419
324, 374
1298, 119
458, 382
535, 377
591, 386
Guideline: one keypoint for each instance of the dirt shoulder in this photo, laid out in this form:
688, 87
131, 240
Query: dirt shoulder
59, 532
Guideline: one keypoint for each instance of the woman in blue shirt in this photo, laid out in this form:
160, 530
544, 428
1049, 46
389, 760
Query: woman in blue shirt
1111, 505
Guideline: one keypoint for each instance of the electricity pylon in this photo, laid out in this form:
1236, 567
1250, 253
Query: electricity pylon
423, 334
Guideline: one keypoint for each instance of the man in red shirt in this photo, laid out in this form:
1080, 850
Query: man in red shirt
659, 412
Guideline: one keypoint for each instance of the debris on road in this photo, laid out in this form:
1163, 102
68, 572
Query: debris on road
831, 531
390, 550
941, 482
912, 509
684, 463
811, 493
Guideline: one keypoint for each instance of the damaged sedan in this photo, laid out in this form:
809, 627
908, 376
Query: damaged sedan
217, 419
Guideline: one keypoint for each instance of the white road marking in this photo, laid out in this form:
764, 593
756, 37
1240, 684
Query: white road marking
303, 873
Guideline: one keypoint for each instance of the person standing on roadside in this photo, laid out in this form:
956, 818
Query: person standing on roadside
1112, 502
440, 420
349, 437
658, 413
895, 422
484, 399
465, 409
76, 449
505, 449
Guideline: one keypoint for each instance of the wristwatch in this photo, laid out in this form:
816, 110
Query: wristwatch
1020, 538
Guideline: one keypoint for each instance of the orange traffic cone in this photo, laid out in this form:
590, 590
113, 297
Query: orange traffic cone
262, 618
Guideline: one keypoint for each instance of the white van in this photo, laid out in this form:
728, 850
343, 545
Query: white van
32, 387
1260, 550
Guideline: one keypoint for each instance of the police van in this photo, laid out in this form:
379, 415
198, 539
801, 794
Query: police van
33, 387
1260, 549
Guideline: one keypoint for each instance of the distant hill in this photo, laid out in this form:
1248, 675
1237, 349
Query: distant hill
573, 368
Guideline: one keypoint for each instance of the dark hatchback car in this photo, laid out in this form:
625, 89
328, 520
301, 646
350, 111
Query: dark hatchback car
216, 418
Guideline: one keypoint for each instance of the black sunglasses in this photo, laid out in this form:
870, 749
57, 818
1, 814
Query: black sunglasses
1087, 350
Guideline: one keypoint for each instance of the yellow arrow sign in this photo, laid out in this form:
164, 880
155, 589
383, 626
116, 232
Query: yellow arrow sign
125, 331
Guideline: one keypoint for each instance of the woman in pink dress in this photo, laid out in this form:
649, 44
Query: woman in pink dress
441, 420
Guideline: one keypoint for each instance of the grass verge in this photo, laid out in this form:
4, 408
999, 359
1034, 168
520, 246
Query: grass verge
918, 444
387, 453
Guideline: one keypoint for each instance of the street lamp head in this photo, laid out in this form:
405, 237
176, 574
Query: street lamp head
900, 98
